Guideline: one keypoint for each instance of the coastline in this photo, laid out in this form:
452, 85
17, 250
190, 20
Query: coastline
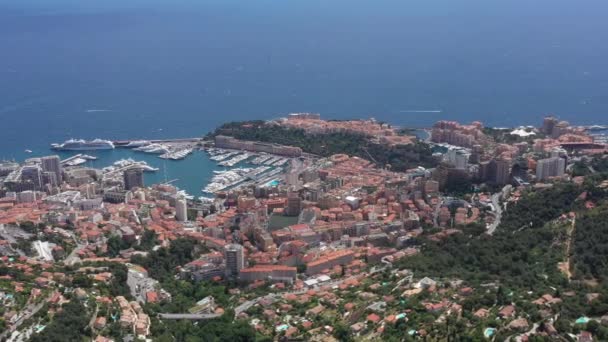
194, 172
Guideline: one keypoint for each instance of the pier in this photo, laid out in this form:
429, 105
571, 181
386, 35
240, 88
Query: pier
121, 143
77, 160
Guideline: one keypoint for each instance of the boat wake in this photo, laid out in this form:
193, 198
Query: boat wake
420, 111
98, 110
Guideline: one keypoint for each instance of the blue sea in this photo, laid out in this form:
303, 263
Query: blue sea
159, 68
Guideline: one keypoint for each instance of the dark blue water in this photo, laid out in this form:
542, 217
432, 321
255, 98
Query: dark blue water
161, 68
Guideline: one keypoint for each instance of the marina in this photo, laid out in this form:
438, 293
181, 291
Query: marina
153, 148
177, 155
238, 177
261, 159
226, 179
220, 157
222, 169
78, 159
137, 143
235, 160
271, 161
125, 164
269, 167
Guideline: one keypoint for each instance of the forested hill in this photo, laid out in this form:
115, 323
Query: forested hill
400, 157
523, 255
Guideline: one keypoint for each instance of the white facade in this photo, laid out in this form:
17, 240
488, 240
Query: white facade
181, 210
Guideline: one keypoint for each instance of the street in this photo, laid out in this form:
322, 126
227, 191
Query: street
496, 203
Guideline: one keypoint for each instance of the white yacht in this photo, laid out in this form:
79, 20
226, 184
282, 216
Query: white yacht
138, 143
153, 148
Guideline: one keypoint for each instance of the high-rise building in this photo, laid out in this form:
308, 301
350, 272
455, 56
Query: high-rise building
550, 167
181, 210
53, 164
134, 178
294, 204
457, 158
235, 260
50, 178
560, 129
496, 172
292, 178
31, 176
548, 125
440, 174
503, 171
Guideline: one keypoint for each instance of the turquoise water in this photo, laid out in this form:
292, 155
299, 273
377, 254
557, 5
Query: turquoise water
489, 332
273, 183
192, 173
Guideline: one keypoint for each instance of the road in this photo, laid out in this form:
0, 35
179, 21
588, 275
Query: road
94, 317
139, 284
188, 316
73, 257
496, 203
273, 296
571, 232
533, 330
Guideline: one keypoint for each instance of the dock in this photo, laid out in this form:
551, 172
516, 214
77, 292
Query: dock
77, 160
122, 143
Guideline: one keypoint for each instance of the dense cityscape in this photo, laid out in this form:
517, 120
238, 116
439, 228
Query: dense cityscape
316, 230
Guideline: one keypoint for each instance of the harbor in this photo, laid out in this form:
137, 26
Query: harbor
174, 149
76, 160
252, 169
199, 171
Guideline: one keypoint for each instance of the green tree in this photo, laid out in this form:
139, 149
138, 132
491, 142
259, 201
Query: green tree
113, 244
70, 324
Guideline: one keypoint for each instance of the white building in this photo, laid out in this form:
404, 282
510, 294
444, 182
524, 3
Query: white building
26, 196
181, 210
550, 167
235, 260
458, 158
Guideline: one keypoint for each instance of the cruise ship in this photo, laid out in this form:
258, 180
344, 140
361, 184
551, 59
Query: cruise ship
84, 145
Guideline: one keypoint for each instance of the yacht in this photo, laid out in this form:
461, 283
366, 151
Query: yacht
176, 155
226, 180
235, 160
137, 143
153, 148
220, 157
130, 163
76, 161
84, 145
184, 194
